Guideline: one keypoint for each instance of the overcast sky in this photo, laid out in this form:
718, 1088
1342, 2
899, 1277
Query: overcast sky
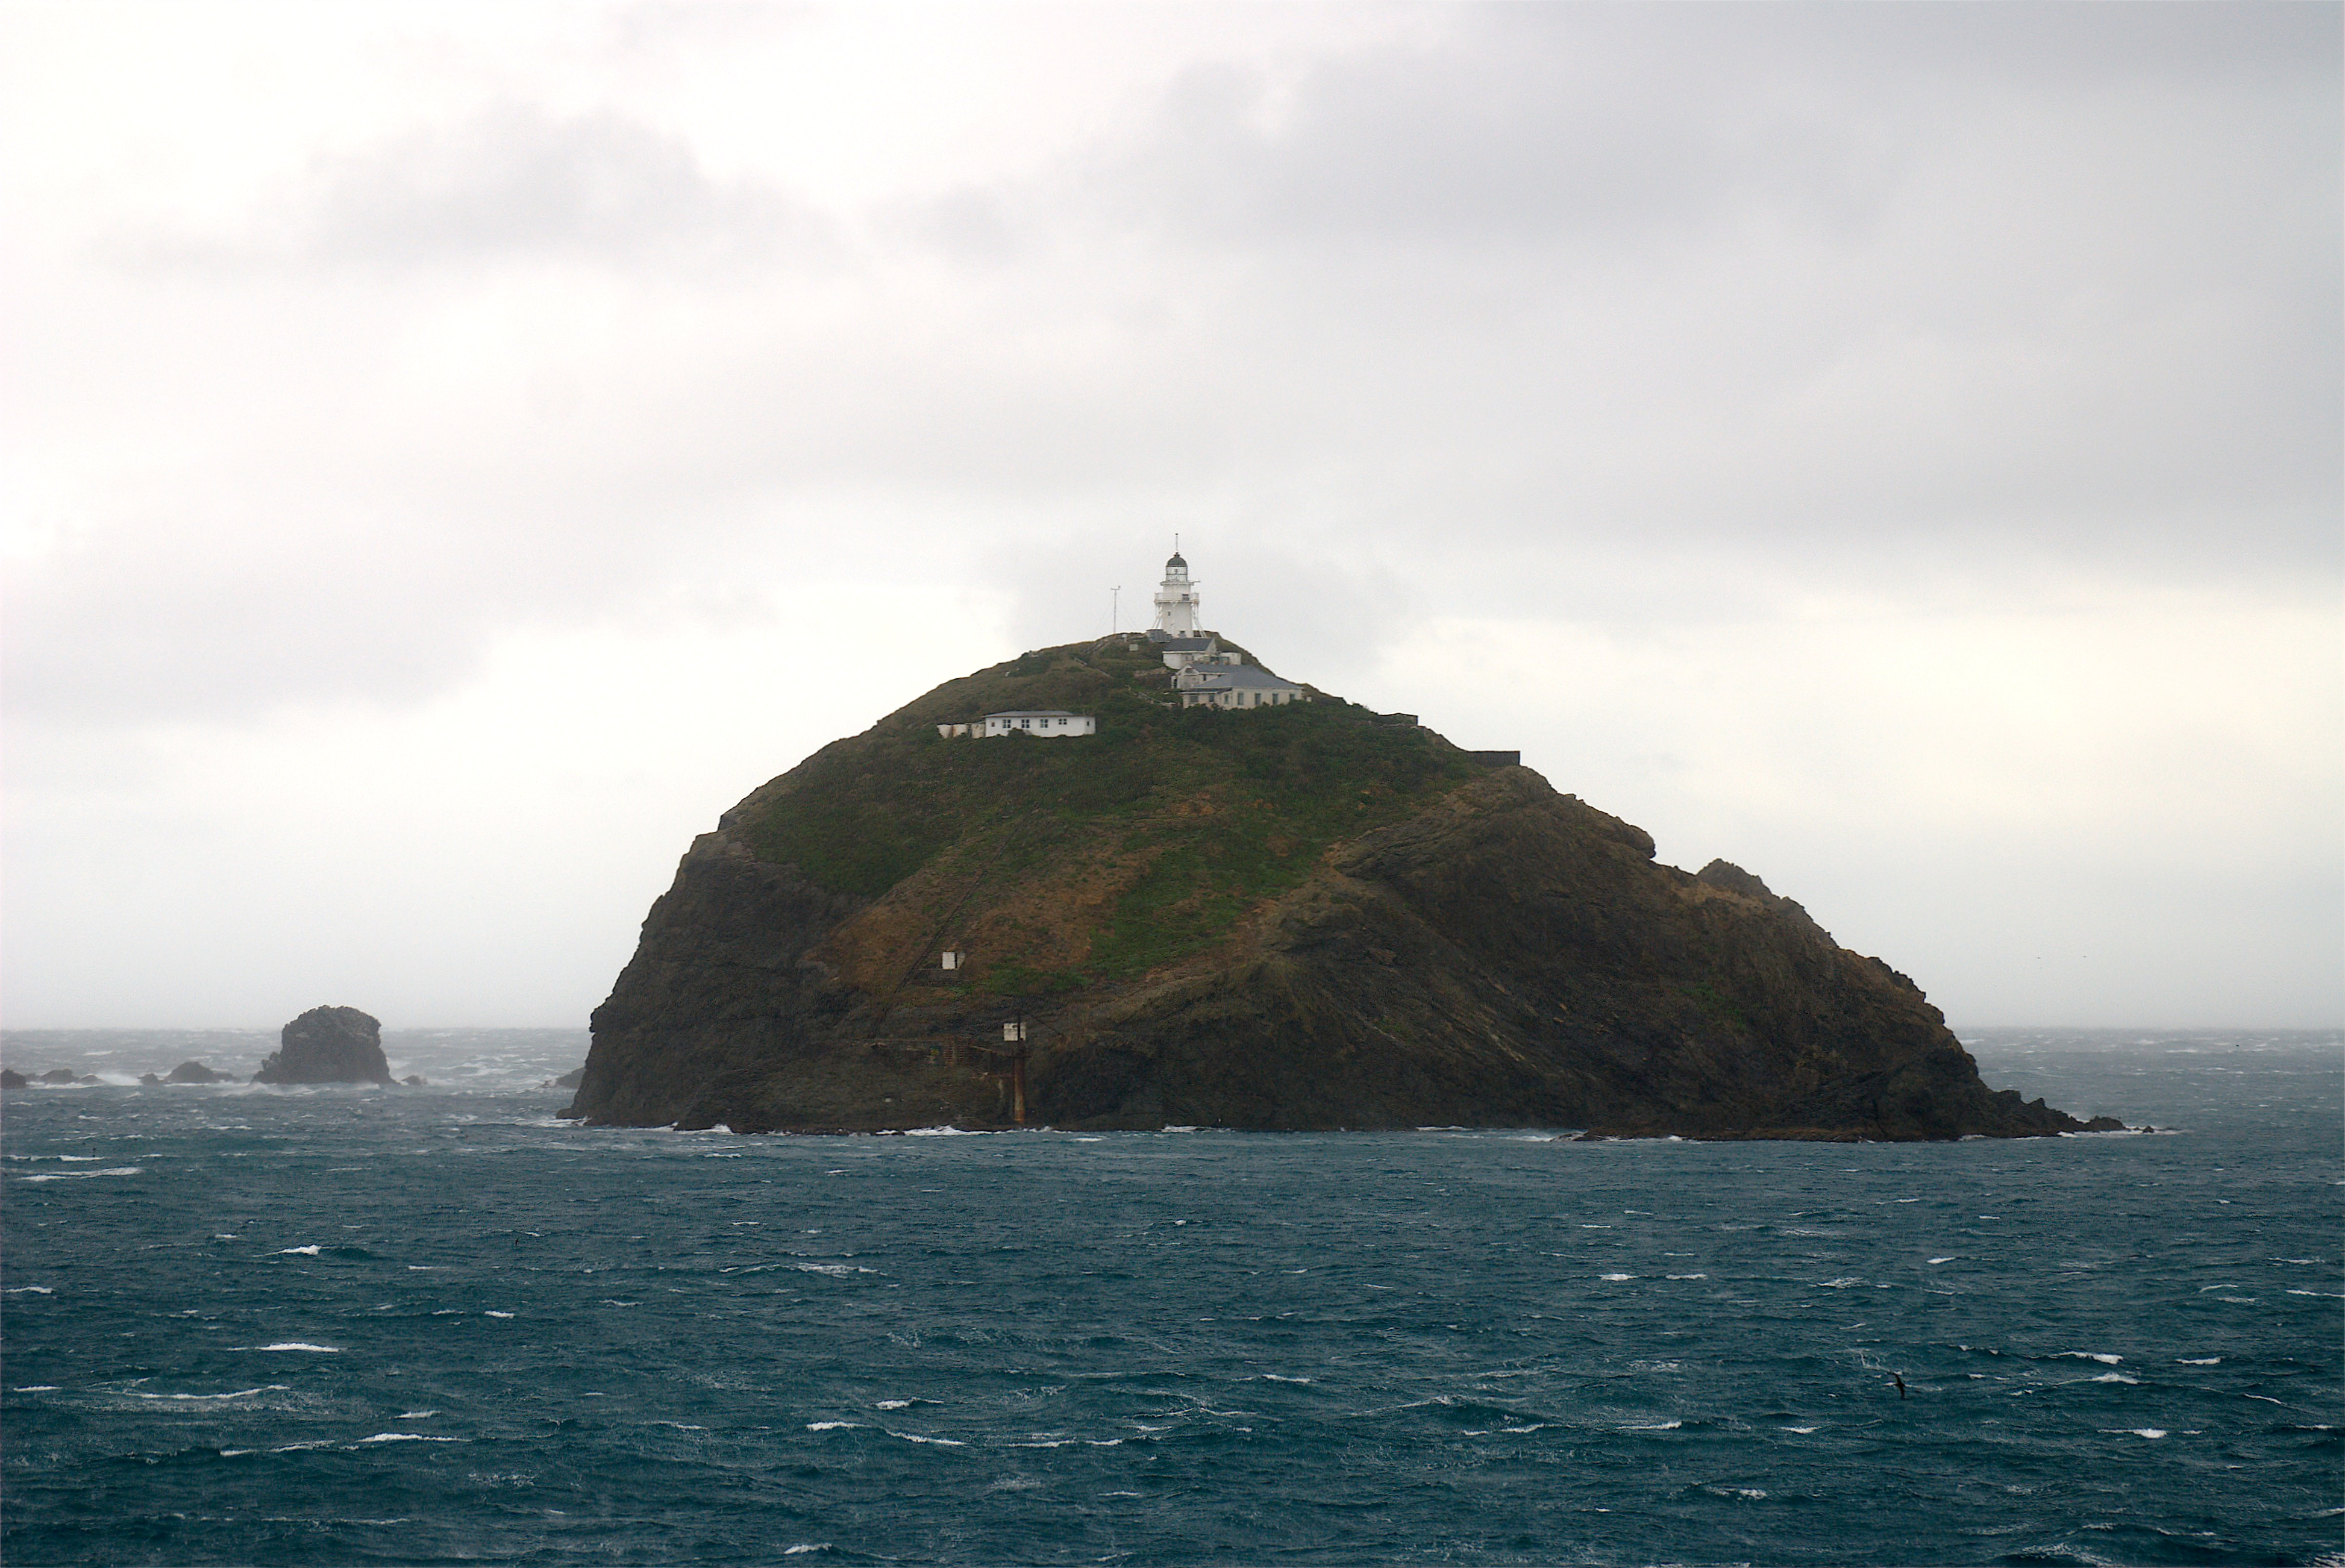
454, 452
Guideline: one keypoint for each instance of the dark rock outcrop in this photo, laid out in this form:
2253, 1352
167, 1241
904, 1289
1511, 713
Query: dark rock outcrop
58, 1075
196, 1073
10, 1079
150, 1081
327, 1046
1480, 951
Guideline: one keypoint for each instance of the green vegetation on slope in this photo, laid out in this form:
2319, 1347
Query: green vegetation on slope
1210, 811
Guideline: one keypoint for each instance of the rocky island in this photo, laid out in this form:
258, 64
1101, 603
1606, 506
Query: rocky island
323, 1046
1300, 915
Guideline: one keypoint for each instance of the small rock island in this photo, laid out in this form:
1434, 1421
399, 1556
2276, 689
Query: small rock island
1217, 897
324, 1046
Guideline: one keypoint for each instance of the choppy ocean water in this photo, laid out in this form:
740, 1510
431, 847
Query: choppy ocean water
247, 1325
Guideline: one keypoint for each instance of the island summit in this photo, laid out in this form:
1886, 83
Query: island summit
1221, 898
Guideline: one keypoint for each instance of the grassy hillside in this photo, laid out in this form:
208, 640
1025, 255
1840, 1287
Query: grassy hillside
1061, 863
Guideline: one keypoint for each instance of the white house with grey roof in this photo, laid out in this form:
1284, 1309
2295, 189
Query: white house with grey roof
1045, 724
1233, 686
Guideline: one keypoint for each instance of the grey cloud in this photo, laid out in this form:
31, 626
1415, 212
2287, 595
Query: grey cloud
513, 182
1538, 122
1470, 145
2057, 274
516, 181
1841, 287
2280, 45
142, 630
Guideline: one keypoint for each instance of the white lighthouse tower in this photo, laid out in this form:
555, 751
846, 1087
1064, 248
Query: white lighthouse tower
1178, 608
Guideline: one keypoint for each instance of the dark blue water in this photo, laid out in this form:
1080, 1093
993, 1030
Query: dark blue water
439, 1326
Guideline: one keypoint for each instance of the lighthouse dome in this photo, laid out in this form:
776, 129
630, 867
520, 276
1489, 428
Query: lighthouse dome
1176, 563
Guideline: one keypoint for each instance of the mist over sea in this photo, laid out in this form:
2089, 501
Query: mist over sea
245, 1325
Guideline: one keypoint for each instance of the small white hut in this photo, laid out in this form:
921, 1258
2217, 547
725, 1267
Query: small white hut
1047, 723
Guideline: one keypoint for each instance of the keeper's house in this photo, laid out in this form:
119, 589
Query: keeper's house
1049, 724
1233, 686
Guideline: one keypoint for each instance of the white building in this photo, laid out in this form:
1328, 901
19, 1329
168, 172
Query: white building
1234, 686
1048, 724
1179, 609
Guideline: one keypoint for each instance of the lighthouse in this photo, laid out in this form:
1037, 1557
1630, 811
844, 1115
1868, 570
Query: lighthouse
1177, 610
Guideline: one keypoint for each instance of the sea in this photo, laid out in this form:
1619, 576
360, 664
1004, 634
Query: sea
438, 1325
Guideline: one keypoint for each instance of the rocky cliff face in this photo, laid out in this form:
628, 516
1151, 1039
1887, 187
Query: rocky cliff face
323, 1046
1227, 935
